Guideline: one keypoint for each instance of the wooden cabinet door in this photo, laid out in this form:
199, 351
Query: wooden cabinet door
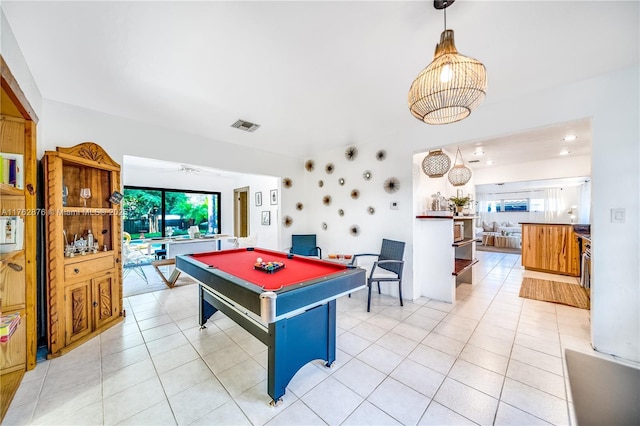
13, 352
533, 244
106, 300
564, 257
12, 284
78, 319
554, 259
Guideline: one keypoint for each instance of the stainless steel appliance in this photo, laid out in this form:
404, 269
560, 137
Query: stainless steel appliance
585, 276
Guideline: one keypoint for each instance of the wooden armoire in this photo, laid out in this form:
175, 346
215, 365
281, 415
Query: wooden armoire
84, 288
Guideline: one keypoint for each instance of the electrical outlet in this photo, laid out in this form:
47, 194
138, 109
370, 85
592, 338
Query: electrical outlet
617, 215
394, 205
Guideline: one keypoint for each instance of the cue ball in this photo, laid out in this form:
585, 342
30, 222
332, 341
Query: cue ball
259, 260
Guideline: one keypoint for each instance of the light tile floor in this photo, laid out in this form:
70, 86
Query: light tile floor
492, 358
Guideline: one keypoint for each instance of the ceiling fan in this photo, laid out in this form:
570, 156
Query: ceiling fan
190, 170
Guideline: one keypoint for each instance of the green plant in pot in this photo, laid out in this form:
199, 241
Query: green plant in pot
460, 202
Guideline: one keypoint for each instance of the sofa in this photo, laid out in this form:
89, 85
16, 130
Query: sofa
488, 231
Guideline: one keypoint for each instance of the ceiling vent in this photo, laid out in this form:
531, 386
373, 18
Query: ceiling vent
473, 161
245, 125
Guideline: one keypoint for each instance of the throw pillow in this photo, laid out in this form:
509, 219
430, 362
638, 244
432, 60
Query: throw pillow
486, 227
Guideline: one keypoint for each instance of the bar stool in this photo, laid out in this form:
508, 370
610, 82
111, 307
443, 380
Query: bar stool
161, 254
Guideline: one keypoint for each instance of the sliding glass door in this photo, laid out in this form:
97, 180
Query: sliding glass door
186, 209
159, 212
141, 208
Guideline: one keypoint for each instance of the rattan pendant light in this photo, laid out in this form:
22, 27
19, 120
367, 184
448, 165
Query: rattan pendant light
436, 164
459, 174
451, 86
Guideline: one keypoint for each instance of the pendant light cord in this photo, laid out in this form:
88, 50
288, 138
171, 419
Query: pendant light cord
445, 15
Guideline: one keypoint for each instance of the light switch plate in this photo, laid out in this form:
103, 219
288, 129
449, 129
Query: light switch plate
617, 215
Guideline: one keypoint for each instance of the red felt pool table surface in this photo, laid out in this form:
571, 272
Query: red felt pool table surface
240, 262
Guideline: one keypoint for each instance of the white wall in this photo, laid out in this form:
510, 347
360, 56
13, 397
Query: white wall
385, 223
615, 313
535, 170
68, 125
15, 61
267, 236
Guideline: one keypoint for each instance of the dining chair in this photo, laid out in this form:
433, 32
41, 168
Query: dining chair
387, 267
132, 259
305, 245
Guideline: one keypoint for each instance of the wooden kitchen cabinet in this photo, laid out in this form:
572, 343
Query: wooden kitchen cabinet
550, 248
84, 292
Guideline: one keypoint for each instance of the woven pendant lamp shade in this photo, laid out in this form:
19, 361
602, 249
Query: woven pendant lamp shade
436, 164
449, 88
459, 174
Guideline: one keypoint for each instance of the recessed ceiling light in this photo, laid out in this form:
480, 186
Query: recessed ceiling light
565, 152
489, 162
478, 152
570, 138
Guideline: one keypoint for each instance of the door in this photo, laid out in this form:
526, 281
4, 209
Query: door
106, 306
241, 212
77, 299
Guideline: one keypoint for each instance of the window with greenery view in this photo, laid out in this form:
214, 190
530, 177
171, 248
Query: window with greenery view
160, 212
509, 205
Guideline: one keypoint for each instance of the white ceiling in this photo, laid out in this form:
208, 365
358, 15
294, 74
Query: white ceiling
170, 168
314, 75
531, 185
533, 145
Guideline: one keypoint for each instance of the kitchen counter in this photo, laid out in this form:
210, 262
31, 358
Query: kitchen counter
584, 236
575, 225
552, 247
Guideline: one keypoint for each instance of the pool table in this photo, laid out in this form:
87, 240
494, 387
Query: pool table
291, 310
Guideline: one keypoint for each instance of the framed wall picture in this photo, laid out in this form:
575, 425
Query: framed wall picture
116, 197
274, 196
258, 199
8, 225
266, 218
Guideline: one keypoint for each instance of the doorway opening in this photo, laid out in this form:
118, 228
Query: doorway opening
241, 212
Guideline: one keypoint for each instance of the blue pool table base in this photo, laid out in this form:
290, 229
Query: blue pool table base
292, 342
